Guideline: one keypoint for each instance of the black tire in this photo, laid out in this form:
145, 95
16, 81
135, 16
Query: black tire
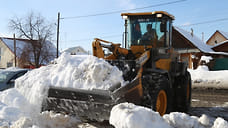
183, 92
156, 87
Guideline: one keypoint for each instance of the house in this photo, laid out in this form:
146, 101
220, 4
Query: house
190, 47
75, 50
219, 42
9, 59
217, 37
220, 62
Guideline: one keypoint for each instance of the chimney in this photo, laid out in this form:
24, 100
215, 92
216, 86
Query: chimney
203, 36
192, 32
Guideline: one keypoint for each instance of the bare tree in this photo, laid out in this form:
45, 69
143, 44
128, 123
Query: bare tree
36, 29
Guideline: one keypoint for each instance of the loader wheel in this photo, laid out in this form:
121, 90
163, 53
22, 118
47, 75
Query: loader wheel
188, 89
161, 102
157, 93
183, 93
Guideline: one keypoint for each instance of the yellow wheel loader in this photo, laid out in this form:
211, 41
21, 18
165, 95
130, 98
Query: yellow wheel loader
157, 78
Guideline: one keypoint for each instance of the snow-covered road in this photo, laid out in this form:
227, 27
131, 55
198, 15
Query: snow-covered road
213, 103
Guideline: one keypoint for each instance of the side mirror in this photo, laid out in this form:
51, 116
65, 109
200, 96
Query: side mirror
163, 27
12, 81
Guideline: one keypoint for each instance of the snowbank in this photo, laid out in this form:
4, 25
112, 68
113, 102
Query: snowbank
202, 78
128, 115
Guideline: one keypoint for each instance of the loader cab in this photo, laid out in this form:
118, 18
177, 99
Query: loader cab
152, 29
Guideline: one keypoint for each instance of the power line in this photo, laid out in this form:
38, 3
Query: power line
204, 22
87, 39
118, 35
112, 12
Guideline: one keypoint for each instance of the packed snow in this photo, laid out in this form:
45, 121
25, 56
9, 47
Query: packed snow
20, 106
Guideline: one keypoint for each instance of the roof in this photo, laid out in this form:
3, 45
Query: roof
75, 50
13, 69
203, 47
9, 42
198, 43
148, 13
225, 34
21, 43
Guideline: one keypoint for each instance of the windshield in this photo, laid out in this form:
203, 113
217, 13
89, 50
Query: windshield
147, 31
5, 75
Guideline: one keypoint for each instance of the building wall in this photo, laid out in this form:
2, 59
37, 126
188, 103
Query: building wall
217, 37
6, 56
186, 57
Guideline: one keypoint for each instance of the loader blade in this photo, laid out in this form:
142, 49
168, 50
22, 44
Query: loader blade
85, 104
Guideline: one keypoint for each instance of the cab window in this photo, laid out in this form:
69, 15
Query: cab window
148, 31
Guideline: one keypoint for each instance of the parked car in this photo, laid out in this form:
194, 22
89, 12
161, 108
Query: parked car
8, 77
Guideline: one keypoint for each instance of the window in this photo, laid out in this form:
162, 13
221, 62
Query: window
148, 30
9, 64
145, 31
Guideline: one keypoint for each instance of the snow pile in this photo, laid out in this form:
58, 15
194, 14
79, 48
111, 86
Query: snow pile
79, 71
17, 112
202, 78
206, 58
47, 120
220, 123
128, 115
11, 106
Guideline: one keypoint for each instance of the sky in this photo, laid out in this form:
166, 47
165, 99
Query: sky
81, 31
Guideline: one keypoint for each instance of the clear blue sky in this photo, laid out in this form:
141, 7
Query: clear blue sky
81, 31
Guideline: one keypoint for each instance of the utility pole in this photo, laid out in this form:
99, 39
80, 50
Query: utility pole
15, 52
125, 24
57, 45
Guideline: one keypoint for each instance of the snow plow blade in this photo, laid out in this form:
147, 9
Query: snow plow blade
86, 104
